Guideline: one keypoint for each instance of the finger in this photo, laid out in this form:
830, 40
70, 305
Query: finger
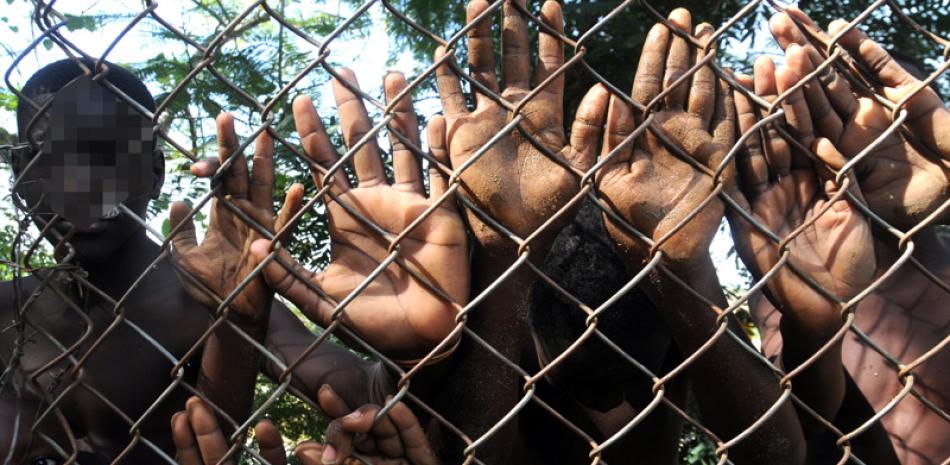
481, 52
551, 49
859, 45
515, 54
785, 31
205, 168
386, 436
826, 120
355, 124
617, 128
184, 439
414, 440
293, 201
316, 143
438, 182
807, 23
309, 452
833, 160
587, 127
724, 114
649, 78
361, 420
262, 176
185, 239
287, 284
331, 403
798, 120
210, 438
270, 444
450, 89
777, 152
235, 178
337, 442
837, 88
677, 61
340, 433
753, 169
702, 94
407, 173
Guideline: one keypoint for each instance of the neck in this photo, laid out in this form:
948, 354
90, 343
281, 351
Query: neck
117, 273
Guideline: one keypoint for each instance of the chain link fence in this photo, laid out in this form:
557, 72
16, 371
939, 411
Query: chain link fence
72, 367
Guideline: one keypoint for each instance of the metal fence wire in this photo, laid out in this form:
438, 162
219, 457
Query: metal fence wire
68, 369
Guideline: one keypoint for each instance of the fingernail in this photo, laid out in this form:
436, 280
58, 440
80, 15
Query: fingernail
329, 455
355, 415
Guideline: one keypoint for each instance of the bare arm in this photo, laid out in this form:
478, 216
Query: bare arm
655, 191
222, 261
535, 189
358, 381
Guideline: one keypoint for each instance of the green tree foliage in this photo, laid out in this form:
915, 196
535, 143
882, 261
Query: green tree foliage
898, 36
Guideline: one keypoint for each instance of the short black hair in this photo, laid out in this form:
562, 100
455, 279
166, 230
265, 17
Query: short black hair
55, 76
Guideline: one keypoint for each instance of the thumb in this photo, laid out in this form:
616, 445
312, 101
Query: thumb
309, 452
832, 161
292, 204
182, 228
281, 275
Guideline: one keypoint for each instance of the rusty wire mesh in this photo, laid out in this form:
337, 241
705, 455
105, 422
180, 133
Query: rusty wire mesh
75, 353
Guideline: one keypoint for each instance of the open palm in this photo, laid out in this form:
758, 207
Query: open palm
223, 259
396, 312
513, 181
649, 186
836, 249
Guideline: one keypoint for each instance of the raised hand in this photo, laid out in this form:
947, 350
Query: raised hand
396, 313
514, 182
648, 185
223, 259
902, 181
783, 189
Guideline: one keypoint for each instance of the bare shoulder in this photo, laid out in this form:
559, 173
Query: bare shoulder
21, 289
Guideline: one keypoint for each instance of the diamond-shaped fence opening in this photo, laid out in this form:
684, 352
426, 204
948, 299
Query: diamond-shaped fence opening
519, 274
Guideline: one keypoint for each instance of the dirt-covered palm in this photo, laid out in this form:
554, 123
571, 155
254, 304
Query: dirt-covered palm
514, 182
649, 186
396, 313
902, 181
223, 259
782, 190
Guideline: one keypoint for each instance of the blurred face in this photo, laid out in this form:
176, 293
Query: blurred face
95, 153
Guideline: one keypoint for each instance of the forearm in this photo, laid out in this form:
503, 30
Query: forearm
732, 388
229, 367
356, 380
480, 388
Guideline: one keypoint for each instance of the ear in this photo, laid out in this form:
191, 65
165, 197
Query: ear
158, 172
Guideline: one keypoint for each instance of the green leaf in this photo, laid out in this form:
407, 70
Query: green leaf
47, 44
74, 22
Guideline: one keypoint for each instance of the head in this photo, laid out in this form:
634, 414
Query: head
89, 152
585, 264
